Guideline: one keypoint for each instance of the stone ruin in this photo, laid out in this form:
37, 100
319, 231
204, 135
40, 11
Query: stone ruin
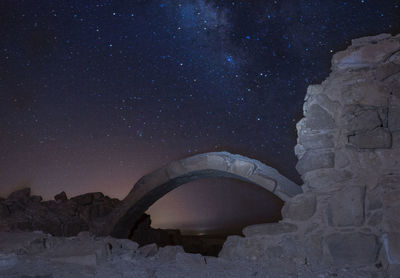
155, 185
349, 158
345, 223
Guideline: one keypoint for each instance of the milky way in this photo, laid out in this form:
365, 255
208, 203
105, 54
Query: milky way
95, 94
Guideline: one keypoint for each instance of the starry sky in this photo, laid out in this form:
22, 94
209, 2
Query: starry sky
95, 94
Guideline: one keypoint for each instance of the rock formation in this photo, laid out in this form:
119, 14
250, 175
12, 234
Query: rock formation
59, 217
345, 224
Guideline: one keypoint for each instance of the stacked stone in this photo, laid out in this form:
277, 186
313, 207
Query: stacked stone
348, 218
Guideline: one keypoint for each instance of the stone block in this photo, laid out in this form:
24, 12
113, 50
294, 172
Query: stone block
316, 141
318, 118
346, 207
326, 177
365, 120
300, 207
379, 138
314, 159
394, 113
352, 249
263, 180
391, 243
269, 229
396, 140
242, 168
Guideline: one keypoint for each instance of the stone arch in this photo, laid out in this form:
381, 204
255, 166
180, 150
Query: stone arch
155, 185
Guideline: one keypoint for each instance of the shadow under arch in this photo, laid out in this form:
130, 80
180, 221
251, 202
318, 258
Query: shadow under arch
155, 185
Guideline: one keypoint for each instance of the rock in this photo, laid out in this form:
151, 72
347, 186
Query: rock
316, 141
86, 260
346, 207
324, 178
191, 261
367, 55
391, 243
319, 119
387, 70
168, 253
367, 119
396, 140
394, 113
8, 261
148, 250
379, 138
270, 229
61, 197
352, 249
83, 200
4, 212
375, 219
313, 160
21, 195
35, 199
300, 207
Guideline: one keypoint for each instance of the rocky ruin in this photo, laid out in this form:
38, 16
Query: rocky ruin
345, 224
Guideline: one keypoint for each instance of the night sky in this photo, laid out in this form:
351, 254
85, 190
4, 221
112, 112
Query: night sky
95, 94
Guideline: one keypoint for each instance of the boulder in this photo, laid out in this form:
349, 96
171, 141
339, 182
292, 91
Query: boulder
61, 197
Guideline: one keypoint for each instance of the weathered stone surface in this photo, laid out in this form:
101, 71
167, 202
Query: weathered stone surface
269, 229
375, 218
394, 113
352, 249
326, 177
365, 55
396, 140
378, 138
61, 197
365, 120
388, 70
148, 250
346, 207
313, 160
316, 141
8, 261
301, 207
391, 243
318, 118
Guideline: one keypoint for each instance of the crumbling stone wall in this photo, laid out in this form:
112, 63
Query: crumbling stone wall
348, 218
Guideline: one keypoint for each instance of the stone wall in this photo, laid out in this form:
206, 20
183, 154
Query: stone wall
348, 218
